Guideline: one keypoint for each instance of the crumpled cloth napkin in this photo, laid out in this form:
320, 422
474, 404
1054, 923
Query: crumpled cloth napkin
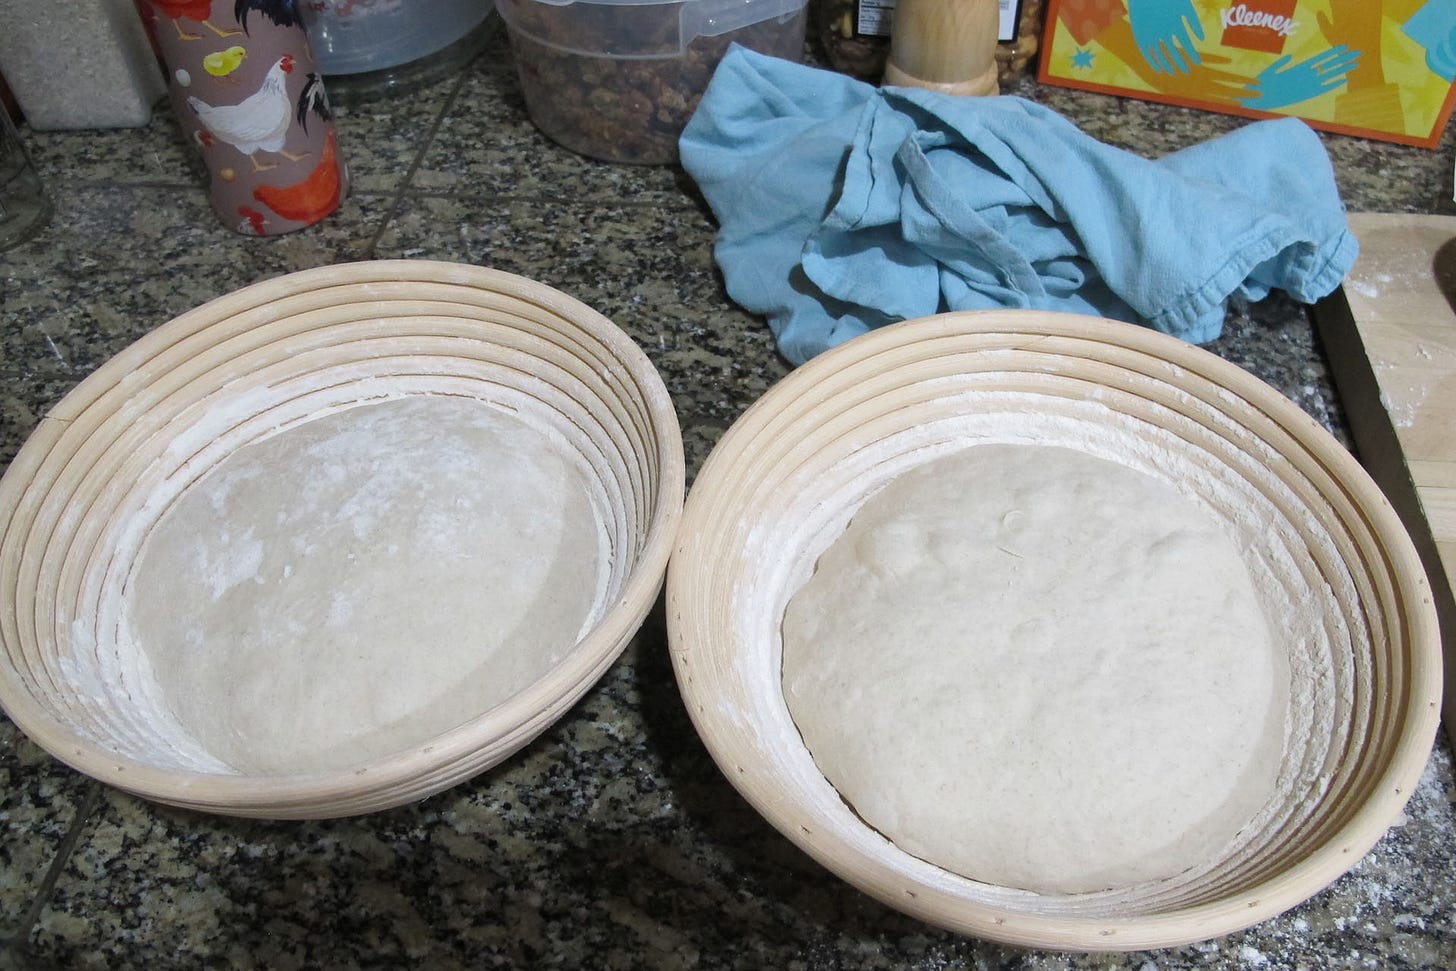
843, 207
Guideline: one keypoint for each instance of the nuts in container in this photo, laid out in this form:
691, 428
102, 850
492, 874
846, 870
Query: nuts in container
618, 79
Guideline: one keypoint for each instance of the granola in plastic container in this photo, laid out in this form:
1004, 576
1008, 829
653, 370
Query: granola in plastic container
618, 79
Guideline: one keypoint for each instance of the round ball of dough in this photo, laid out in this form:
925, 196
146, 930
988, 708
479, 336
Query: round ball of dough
1039, 669
359, 583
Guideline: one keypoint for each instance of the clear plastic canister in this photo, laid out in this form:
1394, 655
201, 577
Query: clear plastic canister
618, 79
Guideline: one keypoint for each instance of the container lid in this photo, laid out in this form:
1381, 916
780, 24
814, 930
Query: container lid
641, 34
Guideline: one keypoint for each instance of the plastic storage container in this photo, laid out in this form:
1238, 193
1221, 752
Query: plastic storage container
618, 79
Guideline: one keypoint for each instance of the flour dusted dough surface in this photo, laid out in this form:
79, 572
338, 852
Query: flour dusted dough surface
1039, 669
361, 582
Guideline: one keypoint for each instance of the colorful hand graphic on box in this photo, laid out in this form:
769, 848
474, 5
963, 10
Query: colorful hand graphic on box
1434, 28
1380, 68
1165, 31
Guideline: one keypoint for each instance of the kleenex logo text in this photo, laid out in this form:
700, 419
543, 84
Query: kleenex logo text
1259, 25
1242, 16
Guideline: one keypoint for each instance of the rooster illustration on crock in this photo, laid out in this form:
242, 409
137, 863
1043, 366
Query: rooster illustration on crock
284, 13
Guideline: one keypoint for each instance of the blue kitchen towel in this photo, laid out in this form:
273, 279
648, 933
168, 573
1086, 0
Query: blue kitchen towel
842, 207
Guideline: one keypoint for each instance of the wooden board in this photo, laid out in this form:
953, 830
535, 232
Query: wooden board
1391, 340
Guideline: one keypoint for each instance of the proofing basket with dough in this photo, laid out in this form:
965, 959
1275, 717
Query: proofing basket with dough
789, 474
276, 353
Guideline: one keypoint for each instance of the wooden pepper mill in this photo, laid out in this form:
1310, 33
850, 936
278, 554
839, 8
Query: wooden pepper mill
945, 45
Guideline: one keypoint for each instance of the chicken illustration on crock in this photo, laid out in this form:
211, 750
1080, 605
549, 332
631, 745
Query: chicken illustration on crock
197, 11
258, 123
313, 197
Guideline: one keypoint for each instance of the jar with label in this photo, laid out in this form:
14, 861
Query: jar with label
854, 46
1021, 26
854, 36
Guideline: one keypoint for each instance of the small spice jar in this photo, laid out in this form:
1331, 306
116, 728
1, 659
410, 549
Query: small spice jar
1016, 56
854, 41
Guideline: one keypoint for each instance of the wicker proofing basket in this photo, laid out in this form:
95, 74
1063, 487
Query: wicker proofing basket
785, 479
283, 350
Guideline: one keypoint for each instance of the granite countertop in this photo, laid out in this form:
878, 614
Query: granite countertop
612, 841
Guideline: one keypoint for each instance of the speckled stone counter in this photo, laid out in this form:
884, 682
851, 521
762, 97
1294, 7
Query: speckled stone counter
612, 841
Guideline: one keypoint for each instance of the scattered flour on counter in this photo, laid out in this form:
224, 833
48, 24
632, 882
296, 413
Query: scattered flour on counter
1252, 957
1402, 400
1372, 286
